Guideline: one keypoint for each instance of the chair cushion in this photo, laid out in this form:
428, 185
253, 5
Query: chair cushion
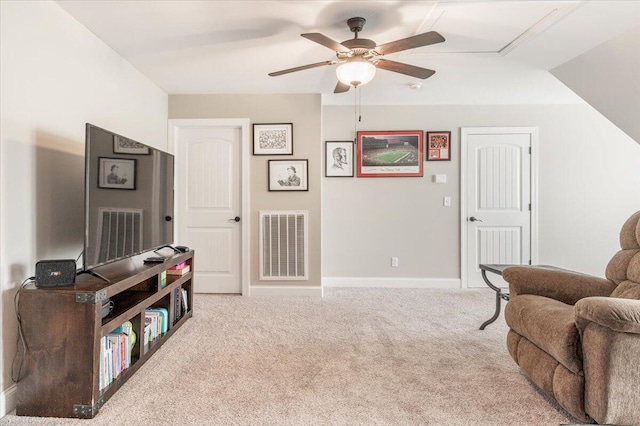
627, 290
548, 324
630, 233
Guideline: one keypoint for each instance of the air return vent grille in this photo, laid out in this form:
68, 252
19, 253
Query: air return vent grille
283, 245
120, 233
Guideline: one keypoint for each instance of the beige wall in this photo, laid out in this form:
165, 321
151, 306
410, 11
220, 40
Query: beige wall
55, 77
587, 189
304, 111
608, 77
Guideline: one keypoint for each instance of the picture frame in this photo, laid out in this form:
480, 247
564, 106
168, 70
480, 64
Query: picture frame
390, 153
122, 145
116, 173
273, 139
338, 161
288, 175
438, 146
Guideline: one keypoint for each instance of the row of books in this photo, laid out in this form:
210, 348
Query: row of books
182, 303
115, 353
117, 346
156, 323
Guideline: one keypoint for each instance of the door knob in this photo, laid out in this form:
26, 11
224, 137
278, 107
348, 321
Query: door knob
473, 219
235, 219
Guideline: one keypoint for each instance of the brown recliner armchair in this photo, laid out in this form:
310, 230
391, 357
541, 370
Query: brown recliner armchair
577, 337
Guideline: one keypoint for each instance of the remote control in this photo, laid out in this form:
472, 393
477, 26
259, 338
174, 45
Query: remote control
155, 259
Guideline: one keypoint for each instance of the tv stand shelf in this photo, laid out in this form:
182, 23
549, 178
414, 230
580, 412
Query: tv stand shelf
63, 372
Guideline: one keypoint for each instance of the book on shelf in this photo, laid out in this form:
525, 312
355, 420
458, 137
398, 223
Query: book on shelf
180, 271
177, 312
185, 301
180, 265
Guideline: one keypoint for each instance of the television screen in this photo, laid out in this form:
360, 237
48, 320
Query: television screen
128, 198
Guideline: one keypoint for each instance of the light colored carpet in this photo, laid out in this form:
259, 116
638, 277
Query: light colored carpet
355, 357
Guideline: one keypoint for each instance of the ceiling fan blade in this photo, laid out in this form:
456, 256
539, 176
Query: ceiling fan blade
303, 67
341, 87
326, 42
419, 40
406, 69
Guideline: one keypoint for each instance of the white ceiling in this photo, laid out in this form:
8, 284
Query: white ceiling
496, 52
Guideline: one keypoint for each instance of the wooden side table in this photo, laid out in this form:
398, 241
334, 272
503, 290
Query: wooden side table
496, 269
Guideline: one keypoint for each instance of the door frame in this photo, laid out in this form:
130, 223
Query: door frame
465, 132
245, 224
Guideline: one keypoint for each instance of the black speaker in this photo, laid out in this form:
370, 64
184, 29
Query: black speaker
55, 273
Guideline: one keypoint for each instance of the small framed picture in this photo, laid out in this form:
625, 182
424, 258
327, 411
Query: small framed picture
273, 139
288, 175
116, 173
438, 146
338, 159
122, 145
390, 153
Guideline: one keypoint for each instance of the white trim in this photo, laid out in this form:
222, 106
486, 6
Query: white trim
464, 134
245, 150
8, 400
264, 290
391, 282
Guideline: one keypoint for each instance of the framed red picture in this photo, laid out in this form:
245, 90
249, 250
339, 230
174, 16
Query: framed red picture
390, 153
438, 146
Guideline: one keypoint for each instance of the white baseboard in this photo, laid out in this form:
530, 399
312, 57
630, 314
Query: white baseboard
8, 400
391, 282
268, 290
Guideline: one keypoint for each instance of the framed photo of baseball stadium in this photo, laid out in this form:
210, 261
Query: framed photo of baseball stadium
273, 139
288, 175
438, 146
338, 159
390, 154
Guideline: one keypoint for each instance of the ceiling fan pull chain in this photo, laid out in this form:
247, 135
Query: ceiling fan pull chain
359, 106
355, 110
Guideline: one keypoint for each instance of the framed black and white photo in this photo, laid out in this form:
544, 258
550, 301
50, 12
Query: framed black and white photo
288, 175
122, 145
116, 173
273, 139
338, 159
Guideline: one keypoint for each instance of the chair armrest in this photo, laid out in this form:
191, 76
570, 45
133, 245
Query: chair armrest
622, 315
565, 286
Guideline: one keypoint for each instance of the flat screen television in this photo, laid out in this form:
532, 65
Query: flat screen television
128, 198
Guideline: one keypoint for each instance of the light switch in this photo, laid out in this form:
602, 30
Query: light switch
440, 178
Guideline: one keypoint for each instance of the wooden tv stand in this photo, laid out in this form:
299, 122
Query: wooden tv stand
63, 328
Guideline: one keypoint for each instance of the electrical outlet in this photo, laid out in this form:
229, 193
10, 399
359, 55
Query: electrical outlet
446, 201
394, 262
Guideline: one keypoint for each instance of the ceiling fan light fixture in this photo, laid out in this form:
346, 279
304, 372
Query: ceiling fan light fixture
356, 72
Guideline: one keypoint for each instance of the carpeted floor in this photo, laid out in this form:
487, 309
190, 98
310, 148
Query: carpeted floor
355, 357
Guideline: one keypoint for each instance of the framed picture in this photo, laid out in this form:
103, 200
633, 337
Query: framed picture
338, 159
116, 173
122, 145
438, 146
273, 139
390, 154
288, 175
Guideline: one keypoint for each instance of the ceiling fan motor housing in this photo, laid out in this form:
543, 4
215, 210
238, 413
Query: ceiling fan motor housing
356, 24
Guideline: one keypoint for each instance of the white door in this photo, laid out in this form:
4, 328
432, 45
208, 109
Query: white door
209, 200
496, 217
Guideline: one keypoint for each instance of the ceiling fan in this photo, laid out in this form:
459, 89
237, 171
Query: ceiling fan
359, 57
